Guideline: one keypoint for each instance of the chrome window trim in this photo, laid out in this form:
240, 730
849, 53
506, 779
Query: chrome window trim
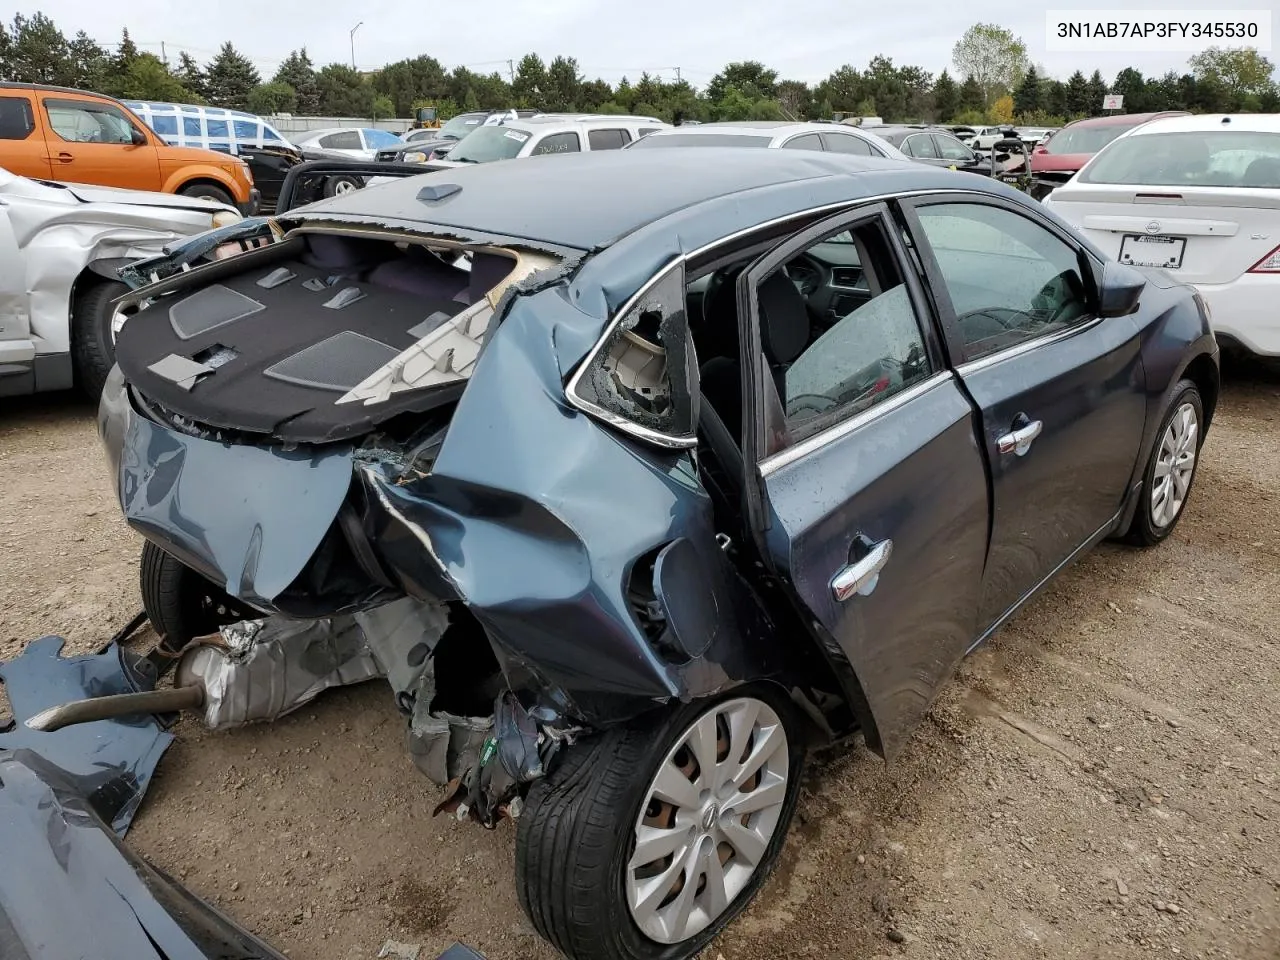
679, 262
836, 431
1026, 346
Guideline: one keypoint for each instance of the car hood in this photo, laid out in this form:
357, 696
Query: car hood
1064, 162
140, 198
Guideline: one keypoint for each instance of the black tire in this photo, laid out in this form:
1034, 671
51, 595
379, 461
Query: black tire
208, 191
92, 349
179, 602
344, 183
1144, 531
576, 835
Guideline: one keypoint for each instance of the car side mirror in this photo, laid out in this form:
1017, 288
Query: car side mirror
137, 137
1120, 290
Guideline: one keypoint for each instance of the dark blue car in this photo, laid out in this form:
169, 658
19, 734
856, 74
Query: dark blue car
637, 473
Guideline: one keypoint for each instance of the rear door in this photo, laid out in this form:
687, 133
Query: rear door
91, 141
868, 494
22, 146
610, 139
1061, 391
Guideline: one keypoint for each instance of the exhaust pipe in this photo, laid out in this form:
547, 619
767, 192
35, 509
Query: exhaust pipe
118, 705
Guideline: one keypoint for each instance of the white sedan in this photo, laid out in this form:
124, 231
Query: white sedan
60, 245
1199, 197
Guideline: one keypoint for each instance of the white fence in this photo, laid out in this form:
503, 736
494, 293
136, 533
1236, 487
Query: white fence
288, 124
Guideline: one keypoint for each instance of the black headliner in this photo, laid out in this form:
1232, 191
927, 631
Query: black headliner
587, 200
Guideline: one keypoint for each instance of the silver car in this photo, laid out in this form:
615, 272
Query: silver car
60, 245
550, 133
834, 138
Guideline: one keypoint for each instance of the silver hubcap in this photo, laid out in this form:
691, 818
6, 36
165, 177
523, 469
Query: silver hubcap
343, 186
1175, 466
118, 318
707, 819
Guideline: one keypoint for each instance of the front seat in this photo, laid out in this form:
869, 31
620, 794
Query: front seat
784, 334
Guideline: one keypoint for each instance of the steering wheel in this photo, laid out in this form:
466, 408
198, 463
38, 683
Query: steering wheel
805, 274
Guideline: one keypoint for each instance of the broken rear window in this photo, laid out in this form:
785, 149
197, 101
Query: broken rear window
642, 375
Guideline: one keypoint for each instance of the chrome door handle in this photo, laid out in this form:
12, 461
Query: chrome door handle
860, 577
1019, 441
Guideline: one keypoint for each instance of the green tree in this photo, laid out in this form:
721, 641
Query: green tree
343, 92
6, 52
842, 89
190, 75
530, 84
403, 82
1027, 97
383, 108
751, 78
274, 97
1131, 85
595, 92
1077, 95
126, 53
38, 52
1239, 70
971, 96
1054, 95
946, 97
1097, 90
992, 56
88, 63
796, 100
230, 78
563, 86
146, 78
299, 73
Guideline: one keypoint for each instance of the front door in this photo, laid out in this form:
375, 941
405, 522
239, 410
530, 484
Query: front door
869, 494
1060, 390
92, 141
22, 149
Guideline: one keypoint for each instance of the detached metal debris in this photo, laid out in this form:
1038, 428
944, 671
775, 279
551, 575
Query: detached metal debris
110, 763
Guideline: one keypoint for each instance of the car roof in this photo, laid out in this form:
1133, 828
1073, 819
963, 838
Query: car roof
1203, 122
1116, 119
548, 119
775, 128
587, 200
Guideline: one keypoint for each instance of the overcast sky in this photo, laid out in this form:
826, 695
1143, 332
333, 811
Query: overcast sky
801, 39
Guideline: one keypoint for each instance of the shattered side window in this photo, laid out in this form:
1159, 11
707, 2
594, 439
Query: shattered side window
642, 376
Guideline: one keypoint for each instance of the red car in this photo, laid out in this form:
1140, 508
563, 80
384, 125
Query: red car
1058, 156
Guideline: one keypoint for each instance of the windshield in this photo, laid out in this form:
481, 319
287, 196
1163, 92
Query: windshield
1085, 139
485, 144
1209, 158
459, 127
701, 140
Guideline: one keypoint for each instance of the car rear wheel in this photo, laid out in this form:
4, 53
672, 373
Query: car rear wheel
179, 602
645, 841
93, 330
1171, 469
207, 191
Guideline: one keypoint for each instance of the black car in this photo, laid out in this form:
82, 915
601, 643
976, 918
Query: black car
270, 164
636, 473
935, 146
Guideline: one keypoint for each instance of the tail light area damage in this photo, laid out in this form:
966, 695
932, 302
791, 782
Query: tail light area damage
522, 574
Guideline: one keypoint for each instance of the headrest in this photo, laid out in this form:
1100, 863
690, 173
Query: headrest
784, 319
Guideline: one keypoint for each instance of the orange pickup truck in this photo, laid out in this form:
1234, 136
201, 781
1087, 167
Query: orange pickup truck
54, 133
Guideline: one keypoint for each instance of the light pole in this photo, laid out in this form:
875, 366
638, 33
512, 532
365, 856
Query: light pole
353, 44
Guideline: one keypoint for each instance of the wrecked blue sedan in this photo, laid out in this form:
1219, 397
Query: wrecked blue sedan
636, 473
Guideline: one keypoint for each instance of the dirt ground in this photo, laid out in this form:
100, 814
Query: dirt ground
1102, 780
